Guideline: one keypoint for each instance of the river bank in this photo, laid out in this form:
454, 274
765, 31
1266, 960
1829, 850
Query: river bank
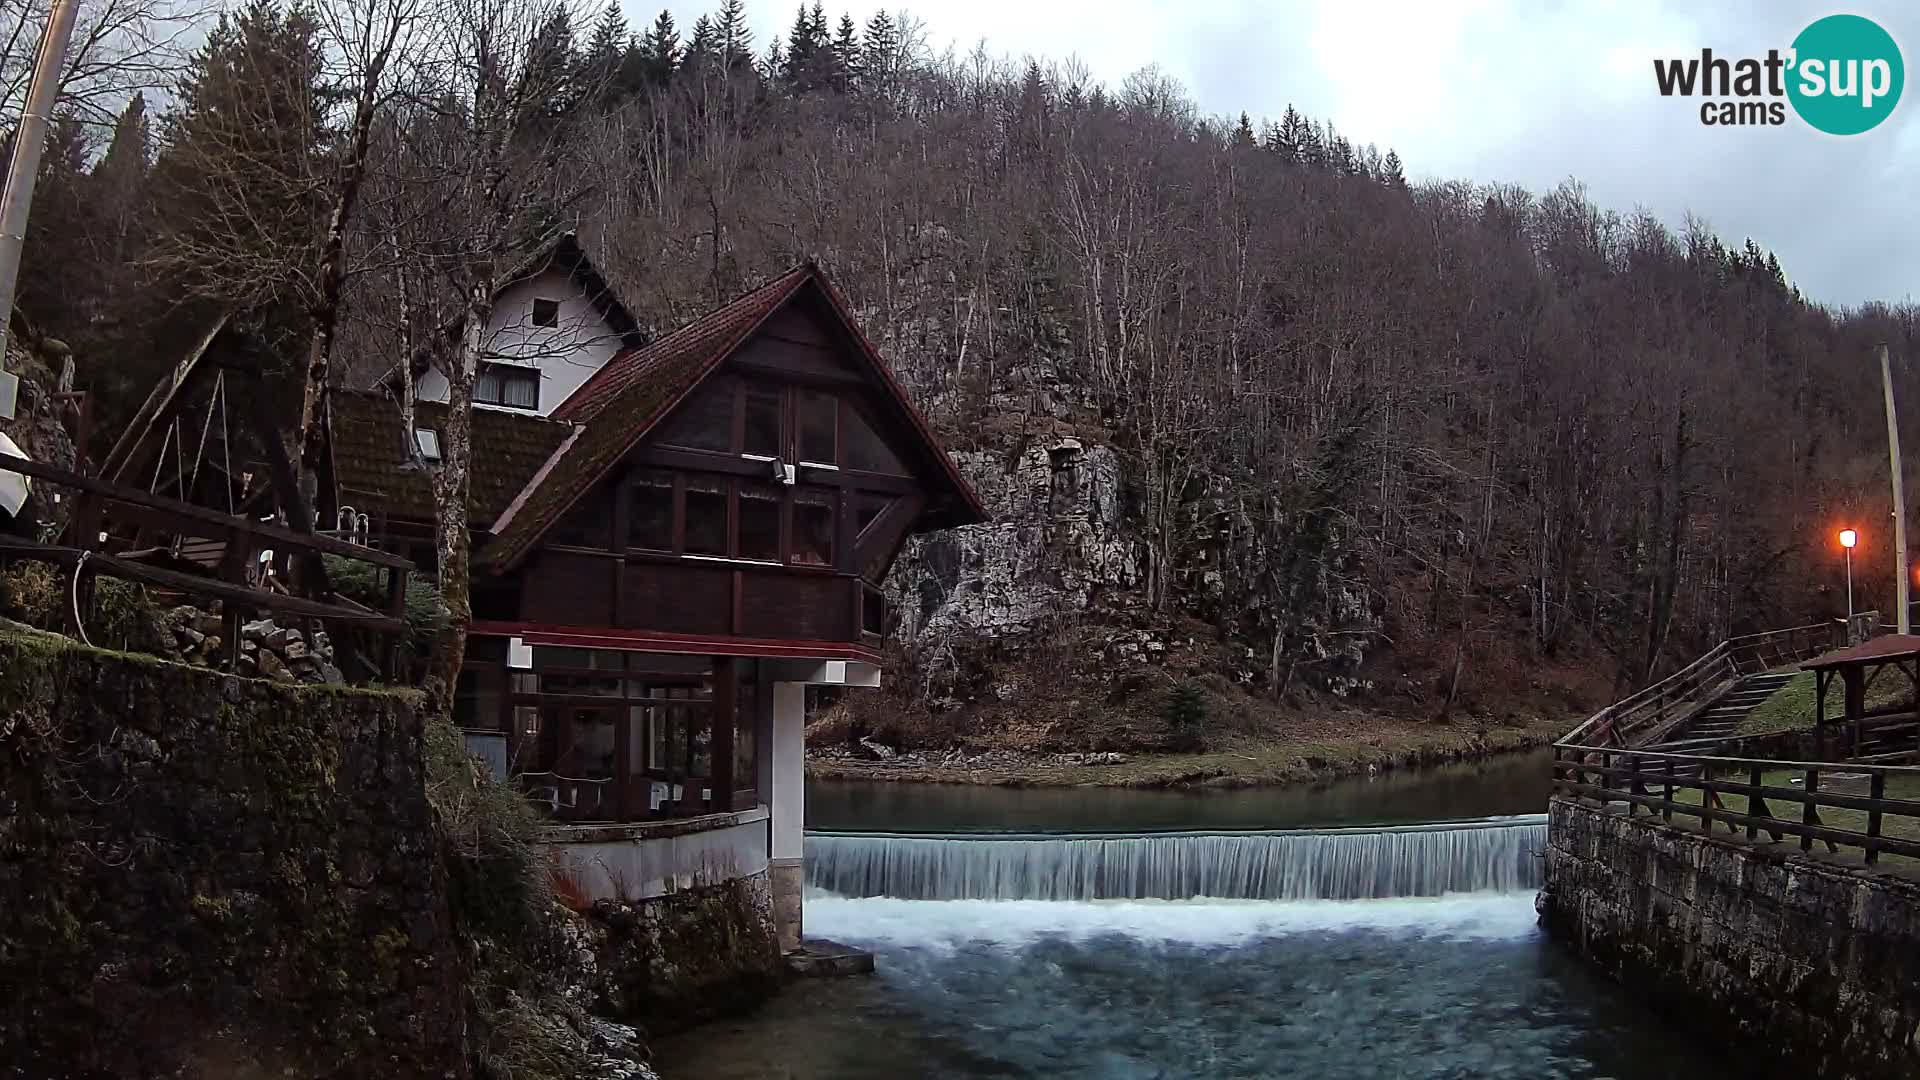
1316, 752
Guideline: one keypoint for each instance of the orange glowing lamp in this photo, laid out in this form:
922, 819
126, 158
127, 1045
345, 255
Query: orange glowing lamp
1848, 538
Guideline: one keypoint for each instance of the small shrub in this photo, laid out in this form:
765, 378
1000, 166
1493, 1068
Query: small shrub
364, 583
1186, 715
496, 877
124, 617
33, 593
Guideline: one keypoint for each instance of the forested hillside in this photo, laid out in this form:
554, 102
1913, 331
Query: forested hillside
1253, 409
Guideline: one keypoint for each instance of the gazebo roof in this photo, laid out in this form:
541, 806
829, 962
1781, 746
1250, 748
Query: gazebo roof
1880, 650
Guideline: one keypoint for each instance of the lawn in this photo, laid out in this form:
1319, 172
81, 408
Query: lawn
1896, 826
1791, 707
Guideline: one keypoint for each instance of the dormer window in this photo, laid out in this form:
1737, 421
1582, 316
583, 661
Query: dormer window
509, 385
546, 312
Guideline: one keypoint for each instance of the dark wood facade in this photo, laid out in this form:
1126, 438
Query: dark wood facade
752, 519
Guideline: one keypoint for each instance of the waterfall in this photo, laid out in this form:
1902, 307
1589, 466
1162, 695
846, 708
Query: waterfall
1309, 864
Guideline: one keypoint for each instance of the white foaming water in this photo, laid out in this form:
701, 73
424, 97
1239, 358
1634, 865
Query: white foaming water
948, 924
1493, 855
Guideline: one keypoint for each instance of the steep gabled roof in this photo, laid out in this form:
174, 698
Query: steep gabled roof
621, 402
372, 471
565, 254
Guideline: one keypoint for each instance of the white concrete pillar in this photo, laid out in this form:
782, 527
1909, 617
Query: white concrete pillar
787, 801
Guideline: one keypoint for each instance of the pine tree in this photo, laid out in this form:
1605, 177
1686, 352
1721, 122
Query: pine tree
118, 179
553, 66
733, 38
659, 50
600, 67
811, 61
59, 270
878, 55
1392, 172
235, 182
774, 66
846, 55
1243, 134
703, 49
1291, 144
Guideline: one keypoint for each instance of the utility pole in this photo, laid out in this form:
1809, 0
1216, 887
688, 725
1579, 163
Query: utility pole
23, 170
1901, 577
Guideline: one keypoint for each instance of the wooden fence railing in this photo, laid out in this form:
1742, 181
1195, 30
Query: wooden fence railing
239, 540
1664, 705
1751, 795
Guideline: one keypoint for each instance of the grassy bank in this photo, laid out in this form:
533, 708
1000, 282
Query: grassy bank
1791, 707
1323, 751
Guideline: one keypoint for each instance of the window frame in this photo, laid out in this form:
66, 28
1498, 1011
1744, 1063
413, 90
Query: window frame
498, 370
553, 309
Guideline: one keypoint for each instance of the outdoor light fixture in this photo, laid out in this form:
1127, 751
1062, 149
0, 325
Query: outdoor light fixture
1848, 538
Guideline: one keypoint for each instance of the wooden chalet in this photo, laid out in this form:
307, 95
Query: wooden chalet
669, 552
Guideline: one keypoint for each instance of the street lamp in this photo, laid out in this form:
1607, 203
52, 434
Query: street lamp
1848, 538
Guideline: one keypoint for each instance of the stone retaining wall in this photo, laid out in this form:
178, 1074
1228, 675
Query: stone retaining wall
206, 875
1804, 968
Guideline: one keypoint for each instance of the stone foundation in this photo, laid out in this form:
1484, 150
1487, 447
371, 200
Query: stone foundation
675, 960
789, 878
1804, 966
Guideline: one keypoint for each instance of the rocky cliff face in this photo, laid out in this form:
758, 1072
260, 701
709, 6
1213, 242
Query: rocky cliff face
1057, 545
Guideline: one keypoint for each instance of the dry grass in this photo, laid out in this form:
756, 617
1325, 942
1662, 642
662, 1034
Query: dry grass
1317, 750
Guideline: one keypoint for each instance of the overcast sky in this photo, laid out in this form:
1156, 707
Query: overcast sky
1509, 91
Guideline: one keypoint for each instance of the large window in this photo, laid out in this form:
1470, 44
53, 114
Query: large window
792, 423
650, 517
764, 407
707, 525
865, 449
813, 528
509, 385
819, 414
706, 421
759, 522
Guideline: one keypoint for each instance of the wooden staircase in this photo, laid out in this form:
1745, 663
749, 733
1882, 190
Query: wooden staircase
1721, 719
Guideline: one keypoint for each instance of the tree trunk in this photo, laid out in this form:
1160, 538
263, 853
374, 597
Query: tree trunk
455, 541
332, 278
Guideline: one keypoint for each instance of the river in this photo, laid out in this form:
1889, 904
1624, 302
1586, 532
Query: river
1250, 933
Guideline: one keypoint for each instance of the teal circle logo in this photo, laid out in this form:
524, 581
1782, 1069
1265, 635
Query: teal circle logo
1847, 75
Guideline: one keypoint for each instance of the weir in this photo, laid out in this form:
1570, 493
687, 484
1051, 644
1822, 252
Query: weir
1494, 854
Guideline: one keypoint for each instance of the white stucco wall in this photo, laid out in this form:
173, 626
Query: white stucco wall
641, 861
566, 354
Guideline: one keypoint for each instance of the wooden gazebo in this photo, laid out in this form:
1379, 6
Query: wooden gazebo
1879, 733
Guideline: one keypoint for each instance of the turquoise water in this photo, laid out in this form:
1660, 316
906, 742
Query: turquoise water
1454, 987
1008, 946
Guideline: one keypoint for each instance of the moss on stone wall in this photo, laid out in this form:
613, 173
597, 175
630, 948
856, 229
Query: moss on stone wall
198, 870
1752, 942
675, 960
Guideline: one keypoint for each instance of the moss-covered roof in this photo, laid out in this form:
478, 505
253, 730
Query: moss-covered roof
374, 475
